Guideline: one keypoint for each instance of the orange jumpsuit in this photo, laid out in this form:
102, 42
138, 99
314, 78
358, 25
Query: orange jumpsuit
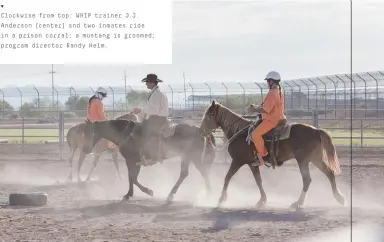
273, 106
95, 112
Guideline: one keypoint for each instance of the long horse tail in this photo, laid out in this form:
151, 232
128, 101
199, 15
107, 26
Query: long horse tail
329, 152
70, 138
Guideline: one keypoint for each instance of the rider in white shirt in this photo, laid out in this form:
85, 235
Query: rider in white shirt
154, 114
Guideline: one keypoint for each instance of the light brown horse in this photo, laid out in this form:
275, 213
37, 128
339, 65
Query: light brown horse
304, 143
75, 140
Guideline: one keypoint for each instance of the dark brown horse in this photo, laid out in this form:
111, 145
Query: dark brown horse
75, 140
304, 143
185, 142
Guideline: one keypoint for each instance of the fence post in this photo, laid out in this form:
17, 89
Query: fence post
61, 133
361, 135
22, 135
315, 118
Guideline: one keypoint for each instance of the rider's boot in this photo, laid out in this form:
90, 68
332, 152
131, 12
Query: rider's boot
259, 160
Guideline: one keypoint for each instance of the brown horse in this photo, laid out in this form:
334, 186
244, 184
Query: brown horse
303, 142
185, 141
75, 140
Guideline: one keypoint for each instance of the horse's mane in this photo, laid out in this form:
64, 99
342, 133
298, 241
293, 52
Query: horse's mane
228, 118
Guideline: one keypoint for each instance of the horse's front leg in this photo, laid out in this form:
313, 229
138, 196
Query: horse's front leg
133, 173
184, 169
263, 197
235, 166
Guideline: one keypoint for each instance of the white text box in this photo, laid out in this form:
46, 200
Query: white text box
86, 31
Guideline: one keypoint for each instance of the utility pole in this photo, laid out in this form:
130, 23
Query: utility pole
125, 90
185, 93
52, 72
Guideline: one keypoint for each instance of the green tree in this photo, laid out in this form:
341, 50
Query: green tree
6, 106
136, 98
77, 103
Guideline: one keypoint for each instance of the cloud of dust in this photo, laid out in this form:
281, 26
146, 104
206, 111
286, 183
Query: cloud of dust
282, 186
24, 174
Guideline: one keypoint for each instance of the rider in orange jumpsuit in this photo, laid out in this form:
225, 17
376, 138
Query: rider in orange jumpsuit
272, 111
95, 109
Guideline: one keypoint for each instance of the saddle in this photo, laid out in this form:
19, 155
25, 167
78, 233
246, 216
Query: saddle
165, 131
168, 129
271, 139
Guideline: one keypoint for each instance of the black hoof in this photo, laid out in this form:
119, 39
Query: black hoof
150, 192
169, 199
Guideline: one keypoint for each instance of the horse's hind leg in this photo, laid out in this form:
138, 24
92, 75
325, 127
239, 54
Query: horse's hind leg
235, 166
256, 174
70, 161
184, 169
304, 170
319, 163
79, 165
94, 164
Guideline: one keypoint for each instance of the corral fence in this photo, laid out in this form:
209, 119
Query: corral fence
30, 136
349, 106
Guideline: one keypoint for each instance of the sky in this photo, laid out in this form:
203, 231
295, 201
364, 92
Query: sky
231, 41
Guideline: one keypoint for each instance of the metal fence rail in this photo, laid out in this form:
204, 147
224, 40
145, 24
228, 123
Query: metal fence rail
26, 133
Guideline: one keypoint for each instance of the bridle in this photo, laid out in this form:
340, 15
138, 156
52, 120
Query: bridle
213, 114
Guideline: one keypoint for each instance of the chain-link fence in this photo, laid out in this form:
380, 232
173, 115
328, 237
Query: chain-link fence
30, 115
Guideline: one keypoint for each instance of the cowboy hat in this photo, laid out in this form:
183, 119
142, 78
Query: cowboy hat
151, 78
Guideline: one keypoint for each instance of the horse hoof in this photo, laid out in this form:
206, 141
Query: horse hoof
169, 199
125, 198
260, 204
295, 206
340, 198
150, 192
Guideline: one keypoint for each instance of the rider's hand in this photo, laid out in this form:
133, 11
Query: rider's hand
251, 108
136, 110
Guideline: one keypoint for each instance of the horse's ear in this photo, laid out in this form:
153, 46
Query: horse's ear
213, 103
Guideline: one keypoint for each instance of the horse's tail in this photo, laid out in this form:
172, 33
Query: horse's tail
70, 138
329, 152
72, 135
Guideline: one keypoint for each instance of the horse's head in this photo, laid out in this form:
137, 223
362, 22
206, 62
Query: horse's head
90, 136
210, 122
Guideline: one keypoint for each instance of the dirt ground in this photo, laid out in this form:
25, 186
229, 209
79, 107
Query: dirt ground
93, 211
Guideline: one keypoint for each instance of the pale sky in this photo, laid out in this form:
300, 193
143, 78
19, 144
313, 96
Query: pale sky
235, 41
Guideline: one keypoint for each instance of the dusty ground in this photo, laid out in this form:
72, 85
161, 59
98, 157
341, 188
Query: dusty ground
93, 211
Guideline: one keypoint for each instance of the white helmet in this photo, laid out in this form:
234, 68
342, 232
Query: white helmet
102, 91
273, 75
